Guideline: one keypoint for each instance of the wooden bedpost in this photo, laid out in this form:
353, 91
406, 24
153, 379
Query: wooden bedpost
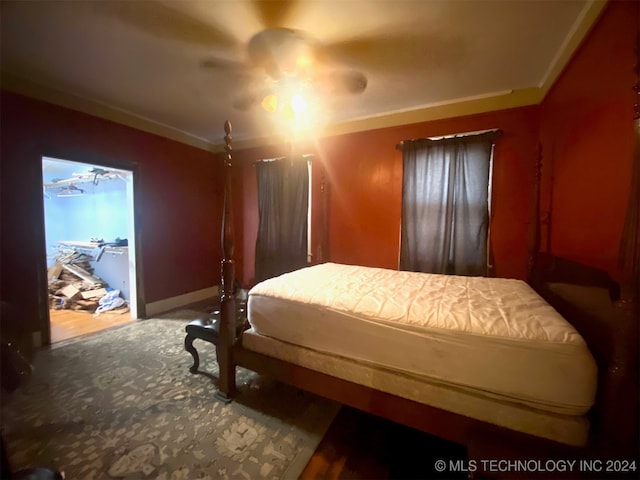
622, 399
227, 333
534, 231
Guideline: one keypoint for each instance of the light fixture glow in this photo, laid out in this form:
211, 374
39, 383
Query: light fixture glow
292, 104
298, 103
304, 62
270, 103
287, 112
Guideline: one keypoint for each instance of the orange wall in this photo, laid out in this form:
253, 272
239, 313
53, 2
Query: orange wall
180, 197
363, 172
587, 137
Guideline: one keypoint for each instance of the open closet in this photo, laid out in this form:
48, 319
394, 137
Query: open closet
89, 232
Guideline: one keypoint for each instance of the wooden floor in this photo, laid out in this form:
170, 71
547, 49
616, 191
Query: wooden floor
67, 324
359, 446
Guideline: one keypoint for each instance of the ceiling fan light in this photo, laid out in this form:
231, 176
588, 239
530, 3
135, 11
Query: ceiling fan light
304, 62
288, 112
298, 103
270, 103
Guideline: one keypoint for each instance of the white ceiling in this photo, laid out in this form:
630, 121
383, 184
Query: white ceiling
144, 63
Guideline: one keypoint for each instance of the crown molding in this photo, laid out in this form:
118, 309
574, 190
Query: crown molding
582, 26
441, 110
23, 86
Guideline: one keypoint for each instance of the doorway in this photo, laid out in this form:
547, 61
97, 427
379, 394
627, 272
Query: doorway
89, 226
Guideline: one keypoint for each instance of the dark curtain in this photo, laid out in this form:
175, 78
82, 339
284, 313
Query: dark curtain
445, 204
283, 201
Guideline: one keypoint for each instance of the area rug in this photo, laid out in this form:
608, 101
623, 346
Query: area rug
122, 404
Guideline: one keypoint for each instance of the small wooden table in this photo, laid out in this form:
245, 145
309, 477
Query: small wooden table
207, 328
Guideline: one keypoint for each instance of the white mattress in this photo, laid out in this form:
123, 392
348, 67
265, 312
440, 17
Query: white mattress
491, 335
568, 429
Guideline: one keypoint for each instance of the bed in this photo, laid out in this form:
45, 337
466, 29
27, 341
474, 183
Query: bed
498, 365
467, 344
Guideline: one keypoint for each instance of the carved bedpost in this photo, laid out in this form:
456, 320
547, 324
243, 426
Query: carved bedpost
534, 240
323, 247
622, 396
227, 333
629, 257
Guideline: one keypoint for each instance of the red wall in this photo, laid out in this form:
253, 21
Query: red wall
180, 198
587, 136
363, 173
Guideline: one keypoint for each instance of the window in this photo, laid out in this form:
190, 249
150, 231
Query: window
445, 204
284, 206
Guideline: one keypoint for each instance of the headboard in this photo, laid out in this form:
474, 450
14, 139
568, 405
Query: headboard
590, 300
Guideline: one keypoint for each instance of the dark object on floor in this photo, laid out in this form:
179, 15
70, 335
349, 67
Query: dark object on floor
15, 369
37, 474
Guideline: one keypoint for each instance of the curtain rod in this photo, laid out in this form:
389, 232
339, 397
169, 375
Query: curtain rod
455, 135
306, 156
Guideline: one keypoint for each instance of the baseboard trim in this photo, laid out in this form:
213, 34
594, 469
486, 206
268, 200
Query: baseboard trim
172, 303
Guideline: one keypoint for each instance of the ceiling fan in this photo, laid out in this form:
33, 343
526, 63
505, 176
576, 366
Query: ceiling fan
279, 60
276, 62
286, 66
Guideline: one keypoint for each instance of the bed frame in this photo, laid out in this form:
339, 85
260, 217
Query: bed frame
612, 339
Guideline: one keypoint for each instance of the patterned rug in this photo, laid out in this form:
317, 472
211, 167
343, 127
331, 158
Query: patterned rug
122, 404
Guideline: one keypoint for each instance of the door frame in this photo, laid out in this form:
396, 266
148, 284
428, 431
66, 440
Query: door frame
99, 161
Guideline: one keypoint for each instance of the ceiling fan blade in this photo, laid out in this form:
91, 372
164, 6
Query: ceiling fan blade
275, 13
166, 22
389, 52
224, 64
245, 101
342, 82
